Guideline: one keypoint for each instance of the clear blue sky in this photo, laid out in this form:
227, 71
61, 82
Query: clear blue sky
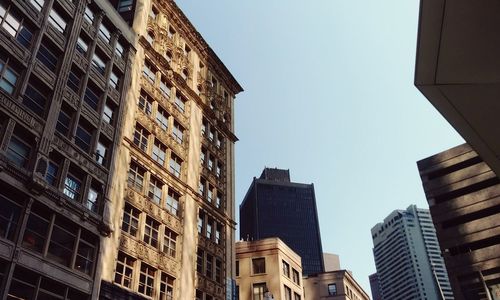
329, 95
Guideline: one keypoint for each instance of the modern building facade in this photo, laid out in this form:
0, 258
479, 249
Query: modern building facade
276, 207
464, 199
268, 269
117, 153
374, 286
407, 257
335, 285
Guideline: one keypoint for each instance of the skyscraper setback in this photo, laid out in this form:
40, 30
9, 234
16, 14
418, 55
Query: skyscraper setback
276, 207
407, 257
116, 153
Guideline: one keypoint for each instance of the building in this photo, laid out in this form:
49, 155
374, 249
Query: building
464, 199
268, 269
276, 207
462, 84
407, 257
374, 287
338, 285
117, 153
332, 262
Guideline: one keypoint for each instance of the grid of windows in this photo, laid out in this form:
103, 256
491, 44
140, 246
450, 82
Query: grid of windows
146, 280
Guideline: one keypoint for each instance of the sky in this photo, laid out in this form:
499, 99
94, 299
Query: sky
329, 95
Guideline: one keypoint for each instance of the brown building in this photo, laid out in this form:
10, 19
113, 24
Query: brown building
338, 284
116, 157
268, 269
464, 199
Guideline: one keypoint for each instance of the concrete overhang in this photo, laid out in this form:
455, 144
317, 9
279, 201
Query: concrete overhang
458, 69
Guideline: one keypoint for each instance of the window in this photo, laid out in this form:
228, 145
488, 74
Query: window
155, 190
210, 194
172, 204
35, 96
258, 291
52, 171
62, 241
8, 77
119, 50
237, 268
201, 186
169, 242
166, 287
332, 289
146, 280
201, 221
153, 13
82, 46
150, 37
296, 296
18, 151
209, 266
199, 261
9, 217
210, 165
136, 176
286, 269
218, 270
48, 55
218, 142
178, 132
74, 79
64, 119
108, 112
83, 136
149, 72
259, 265
180, 103
175, 165
288, 293
124, 270
125, 5
92, 96
185, 74
72, 187
15, 26
93, 198
145, 104
218, 234
104, 33
162, 118
114, 80
218, 200
171, 32
168, 55
37, 228
218, 170
211, 135
84, 261
204, 126
203, 156
98, 64
159, 152
130, 222
38, 4
57, 21
151, 228
101, 152
89, 15
296, 276
141, 137
165, 88
208, 227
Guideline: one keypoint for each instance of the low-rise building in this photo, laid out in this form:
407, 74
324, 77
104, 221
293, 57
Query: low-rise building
268, 269
338, 285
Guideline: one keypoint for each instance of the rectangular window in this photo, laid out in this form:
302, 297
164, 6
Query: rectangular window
159, 152
201, 221
18, 150
237, 268
85, 255
172, 204
136, 176
104, 33
101, 152
114, 80
147, 280
124, 6
175, 165
151, 228
210, 165
130, 222
98, 64
218, 200
141, 137
169, 242
218, 170
209, 228
52, 170
8, 77
56, 20
119, 50
92, 202
332, 289
218, 233
178, 132
155, 190
296, 276
89, 15
286, 269
203, 156
162, 118
201, 186
108, 112
218, 270
288, 293
48, 55
259, 265
83, 136
199, 261
180, 103
210, 193
15, 26
209, 266
258, 291
145, 104
166, 287
38, 4
165, 89
92, 97
124, 270
149, 72
37, 228
74, 79
62, 241
64, 119
72, 187
9, 217
82, 46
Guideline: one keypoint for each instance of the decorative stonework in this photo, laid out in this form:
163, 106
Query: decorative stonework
20, 113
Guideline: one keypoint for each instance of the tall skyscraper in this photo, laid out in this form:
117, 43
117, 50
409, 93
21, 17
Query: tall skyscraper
407, 257
374, 287
276, 207
117, 156
464, 199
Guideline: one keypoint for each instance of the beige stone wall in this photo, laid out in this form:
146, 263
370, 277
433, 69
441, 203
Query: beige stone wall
316, 287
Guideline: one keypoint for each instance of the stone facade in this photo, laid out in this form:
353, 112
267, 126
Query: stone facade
333, 285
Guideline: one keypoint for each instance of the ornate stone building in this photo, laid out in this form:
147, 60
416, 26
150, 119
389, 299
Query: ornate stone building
116, 154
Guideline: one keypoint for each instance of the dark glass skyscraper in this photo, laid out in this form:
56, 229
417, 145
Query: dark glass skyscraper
276, 207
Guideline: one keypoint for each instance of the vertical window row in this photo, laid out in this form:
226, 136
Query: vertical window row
209, 266
213, 195
210, 228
